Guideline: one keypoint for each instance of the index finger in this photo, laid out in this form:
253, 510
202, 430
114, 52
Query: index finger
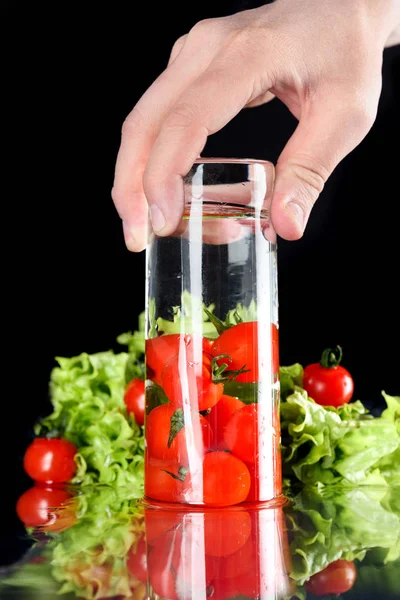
206, 106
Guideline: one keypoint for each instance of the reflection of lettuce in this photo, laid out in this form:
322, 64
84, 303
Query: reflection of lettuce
325, 445
340, 523
88, 560
90, 557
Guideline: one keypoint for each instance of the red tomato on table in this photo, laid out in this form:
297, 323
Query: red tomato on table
327, 382
134, 399
240, 342
50, 460
337, 578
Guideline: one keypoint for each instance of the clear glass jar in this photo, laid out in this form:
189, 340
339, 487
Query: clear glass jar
212, 358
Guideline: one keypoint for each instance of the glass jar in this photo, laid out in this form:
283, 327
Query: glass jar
212, 358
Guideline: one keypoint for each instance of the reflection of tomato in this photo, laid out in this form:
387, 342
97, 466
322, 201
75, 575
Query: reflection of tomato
225, 531
189, 382
337, 578
159, 563
158, 523
226, 479
240, 342
219, 416
134, 400
239, 562
47, 507
163, 421
50, 460
241, 433
223, 589
163, 482
160, 349
137, 560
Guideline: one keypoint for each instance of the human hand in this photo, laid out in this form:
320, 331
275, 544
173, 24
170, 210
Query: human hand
322, 59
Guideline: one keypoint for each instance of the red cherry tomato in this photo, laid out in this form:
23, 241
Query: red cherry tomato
161, 349
240, 342
226, 479
135, 400
238, 563
164, 482
241, 433
219, 417
137, 560
46, 507
337, 578
327, 382
158, 523
225, 531
50, 460
160, 425
193, 386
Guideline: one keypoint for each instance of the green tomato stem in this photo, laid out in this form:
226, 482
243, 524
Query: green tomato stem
331, 357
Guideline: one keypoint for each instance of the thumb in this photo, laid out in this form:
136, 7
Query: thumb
325, 134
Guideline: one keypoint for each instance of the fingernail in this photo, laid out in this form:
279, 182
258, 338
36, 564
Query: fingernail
130, 240
296, 212
157, 218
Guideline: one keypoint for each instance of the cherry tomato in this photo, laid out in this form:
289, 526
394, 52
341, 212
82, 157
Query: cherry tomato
240, 342
164, 482
327, 382
193, 386
225, 531
161, 423
158, 523
219, 416
50, 460
137, 560
269, 484
161, 349
226, 479
135, 400
337, 578
241, 433
46, 507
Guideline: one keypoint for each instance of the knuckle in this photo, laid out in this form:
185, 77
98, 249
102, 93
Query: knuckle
206, 28
312, 176
133, 122
362, 112
178, 45
181, 116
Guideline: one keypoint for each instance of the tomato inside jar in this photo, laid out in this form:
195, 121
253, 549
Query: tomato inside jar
212, 433
212, 354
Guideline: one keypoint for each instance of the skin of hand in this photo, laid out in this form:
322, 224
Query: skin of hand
322, 59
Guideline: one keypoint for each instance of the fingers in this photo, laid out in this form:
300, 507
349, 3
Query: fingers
326, 133
141, 129
208, 104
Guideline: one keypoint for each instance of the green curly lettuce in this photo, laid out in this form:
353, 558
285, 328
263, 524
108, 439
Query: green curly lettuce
88, 409
327, 445
337, 522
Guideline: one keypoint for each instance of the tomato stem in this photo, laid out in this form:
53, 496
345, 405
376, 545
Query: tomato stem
331, 357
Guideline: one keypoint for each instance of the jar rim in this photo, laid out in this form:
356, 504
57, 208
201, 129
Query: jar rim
238, 161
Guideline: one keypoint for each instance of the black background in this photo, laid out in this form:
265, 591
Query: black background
72, 73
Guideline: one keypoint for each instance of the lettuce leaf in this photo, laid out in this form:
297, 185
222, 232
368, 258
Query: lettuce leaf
88, 409
338, 523
325, 445
89, 559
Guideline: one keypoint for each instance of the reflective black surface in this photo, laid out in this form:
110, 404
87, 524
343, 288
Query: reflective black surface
104, 543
